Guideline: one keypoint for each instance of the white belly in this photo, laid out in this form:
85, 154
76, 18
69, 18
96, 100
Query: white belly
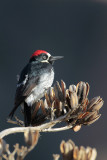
38, 92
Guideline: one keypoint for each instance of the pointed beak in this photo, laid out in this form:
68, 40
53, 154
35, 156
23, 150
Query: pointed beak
51, 59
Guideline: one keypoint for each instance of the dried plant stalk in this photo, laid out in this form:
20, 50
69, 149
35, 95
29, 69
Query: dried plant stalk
31, 139
59, 101
60, 105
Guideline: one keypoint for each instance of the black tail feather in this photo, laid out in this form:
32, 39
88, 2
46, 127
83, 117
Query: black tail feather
12, 112
27, 114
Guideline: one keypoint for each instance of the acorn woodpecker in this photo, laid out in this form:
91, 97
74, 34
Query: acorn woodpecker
34, 80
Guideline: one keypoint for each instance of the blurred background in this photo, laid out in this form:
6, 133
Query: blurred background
74, 29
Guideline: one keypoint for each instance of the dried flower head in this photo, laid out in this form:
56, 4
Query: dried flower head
31, 138
65, 105
71, 152
2, 146
59, 101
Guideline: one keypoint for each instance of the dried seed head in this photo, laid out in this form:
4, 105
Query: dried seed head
72, 88
48, 100
75, 153
66, 149
94, 119
58, 92
51, 93
45, 104
82, 153
74, 100
82, 91
62, 146
43, 107
91, 153
77, 128
2, 146
63, 86
95, 104
36, 109
31, 138
71, 152
60, 101
56, 156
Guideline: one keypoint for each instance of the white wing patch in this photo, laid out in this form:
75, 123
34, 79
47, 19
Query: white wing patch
24, 82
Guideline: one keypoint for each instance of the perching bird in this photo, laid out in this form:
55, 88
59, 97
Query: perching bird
34, 80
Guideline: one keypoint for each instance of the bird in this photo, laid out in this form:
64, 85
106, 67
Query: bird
34, 80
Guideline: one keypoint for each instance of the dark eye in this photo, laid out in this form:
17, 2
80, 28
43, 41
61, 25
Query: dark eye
44, 57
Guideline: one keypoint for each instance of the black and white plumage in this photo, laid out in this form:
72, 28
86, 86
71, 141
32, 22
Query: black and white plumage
34, 80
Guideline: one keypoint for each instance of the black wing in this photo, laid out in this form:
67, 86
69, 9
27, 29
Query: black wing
24, 90
24, 87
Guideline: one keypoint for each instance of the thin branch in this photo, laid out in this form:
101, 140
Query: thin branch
57, 129
42, 128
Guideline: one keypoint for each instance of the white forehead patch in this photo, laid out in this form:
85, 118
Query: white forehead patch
48, 54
